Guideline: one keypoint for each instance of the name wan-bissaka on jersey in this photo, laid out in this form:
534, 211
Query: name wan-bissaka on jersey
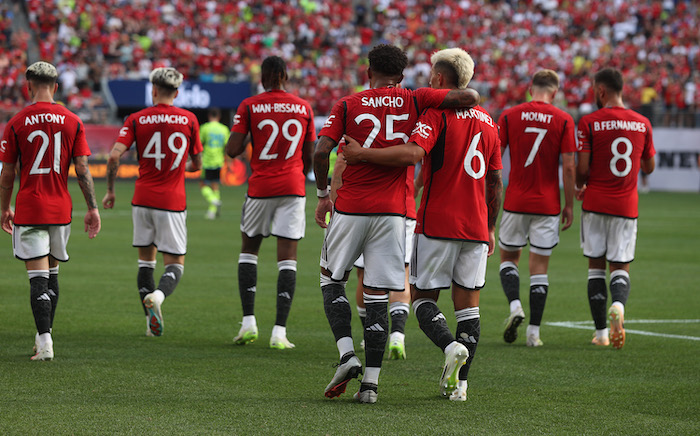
284, 108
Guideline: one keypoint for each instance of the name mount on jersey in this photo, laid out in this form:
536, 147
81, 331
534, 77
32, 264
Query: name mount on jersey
536, 116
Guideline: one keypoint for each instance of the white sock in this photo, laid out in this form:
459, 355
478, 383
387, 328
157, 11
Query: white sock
345, 346
450, 347
397, 336
533, 330
620, 306
602, 334
248, 321
371, 375
158, 296
44, 340
515, 305
279, 331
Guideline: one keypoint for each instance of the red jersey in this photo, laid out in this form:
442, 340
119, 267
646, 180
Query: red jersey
164, 136
617, 139
461, 146
537, 133
378, 118
279, 124
44, 137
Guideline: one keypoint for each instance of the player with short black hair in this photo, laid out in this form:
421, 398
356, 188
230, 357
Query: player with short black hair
614, 144
43, 139
213, 135
368, 216
537, 134
164, 136
282, 133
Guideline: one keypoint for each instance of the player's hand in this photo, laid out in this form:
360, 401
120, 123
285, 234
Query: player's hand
351, 151
108, 200
325, 205
492, 242
580, 192
93, 224
7, 219
567, 217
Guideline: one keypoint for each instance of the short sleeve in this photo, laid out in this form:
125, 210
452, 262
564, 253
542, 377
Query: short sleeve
240, 120
334, 126
568, 140
311, 129
8, 147
649, 150
503, 129
583, 137
427, 130
80, 147
495, 158
196, 146
126, 133
429, 97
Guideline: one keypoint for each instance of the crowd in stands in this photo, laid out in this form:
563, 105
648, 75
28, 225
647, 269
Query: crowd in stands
655, 43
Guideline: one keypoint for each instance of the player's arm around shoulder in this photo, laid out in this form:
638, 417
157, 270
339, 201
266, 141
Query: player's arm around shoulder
92, 220
397, 156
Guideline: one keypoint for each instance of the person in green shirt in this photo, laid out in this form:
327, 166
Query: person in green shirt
213, 135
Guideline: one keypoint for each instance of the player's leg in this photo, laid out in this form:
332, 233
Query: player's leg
512, 236
341, 247
594, 245
247, 287
205, 185
620, 252
171, 240
384, 254
286, 285
539, 287
399, 306
53, 289
38, 272
215, 186
359, 292
145, 280
466, 304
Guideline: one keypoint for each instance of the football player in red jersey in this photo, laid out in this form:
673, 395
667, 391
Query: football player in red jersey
537, 133
369, 212
454, 233
165, 136
43, 139
614, 143
282, 132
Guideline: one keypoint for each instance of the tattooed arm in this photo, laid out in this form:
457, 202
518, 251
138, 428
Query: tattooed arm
92, 217
112, 167
494, 194
7, 182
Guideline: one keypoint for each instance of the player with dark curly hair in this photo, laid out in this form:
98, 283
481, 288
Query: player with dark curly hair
368, 216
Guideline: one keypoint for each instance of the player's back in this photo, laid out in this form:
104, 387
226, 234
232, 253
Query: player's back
164, 135
536, 133
213, 136
378, 118
279, 123
453, 204
44, 137
617, 139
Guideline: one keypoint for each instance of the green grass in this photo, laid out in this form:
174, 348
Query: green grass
108, 378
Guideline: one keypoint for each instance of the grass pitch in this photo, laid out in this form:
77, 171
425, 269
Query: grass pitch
108, 378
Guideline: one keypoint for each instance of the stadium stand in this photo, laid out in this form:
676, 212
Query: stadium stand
655, 43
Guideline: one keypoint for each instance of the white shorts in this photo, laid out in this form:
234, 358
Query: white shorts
284, 217
165, 229
35, 242
382, 239
410, 228
436, 263
517, 228
611, 236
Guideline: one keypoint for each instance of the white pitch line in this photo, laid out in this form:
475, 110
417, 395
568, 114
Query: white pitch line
586, 325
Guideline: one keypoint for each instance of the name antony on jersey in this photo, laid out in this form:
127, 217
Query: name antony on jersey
44, 118
632, 126
536, 116
474, 114
284, 108
164, 118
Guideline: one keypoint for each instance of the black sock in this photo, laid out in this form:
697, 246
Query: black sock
247, 281
468, 332
598, 297
433, 322
53, 292
619, 286
376, 328
170, 278
338, 310
286, 283
539, 286
510, 280
399, 315
362, 314
41, 303
146, 284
